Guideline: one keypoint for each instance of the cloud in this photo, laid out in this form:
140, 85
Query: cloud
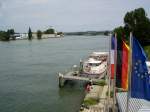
1, 3
67, 15
37, 1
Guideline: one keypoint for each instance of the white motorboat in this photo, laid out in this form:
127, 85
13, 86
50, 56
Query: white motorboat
96, 64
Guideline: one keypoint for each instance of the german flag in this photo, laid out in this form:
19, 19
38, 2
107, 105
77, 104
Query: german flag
125, 66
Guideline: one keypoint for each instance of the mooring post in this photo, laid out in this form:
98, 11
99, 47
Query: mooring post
61, 80
81, 66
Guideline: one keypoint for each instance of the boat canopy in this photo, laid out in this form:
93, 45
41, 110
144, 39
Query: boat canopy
99, 53
91, 60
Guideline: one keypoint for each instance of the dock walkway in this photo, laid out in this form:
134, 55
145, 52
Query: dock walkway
76, 76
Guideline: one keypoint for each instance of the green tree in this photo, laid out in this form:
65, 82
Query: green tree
10, 33
138, 22
59, 33
49, 31
39, 34
30, 34
147, 51
119, 31
4, 36
106, 32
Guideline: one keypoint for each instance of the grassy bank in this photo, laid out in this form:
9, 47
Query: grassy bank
90, 101
147, 50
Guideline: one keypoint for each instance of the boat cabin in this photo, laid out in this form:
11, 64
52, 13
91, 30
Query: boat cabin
96, 64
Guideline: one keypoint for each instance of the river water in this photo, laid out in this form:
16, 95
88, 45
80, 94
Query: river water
28, 73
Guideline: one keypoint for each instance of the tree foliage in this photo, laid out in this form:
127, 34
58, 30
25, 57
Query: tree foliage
59, 33
6, 35
136, 21
49, 31
106, 32
10, 33
147, 51
39, 34
119, 30
30, 34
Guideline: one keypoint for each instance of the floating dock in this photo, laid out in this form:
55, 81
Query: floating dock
77, 76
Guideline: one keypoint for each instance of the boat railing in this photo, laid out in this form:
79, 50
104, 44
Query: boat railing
74, 69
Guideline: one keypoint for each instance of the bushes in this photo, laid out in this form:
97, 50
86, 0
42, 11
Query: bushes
90, 101
101, 83
111, 94
147, 50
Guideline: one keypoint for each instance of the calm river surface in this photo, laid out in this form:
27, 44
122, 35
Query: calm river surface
28, 73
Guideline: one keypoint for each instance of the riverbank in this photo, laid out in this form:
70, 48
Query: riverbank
96, 99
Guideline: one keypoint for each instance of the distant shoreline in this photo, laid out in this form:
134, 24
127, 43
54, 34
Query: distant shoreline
89, 33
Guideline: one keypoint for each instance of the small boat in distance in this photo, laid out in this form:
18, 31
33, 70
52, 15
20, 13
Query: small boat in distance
95, 66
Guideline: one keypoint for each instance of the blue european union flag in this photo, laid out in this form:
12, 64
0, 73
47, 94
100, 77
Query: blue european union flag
140, 79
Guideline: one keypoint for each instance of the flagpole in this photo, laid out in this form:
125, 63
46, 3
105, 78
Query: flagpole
109, 67
115, 67
129, 73
109, 70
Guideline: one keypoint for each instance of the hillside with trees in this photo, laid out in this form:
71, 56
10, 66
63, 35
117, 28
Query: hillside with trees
89, 33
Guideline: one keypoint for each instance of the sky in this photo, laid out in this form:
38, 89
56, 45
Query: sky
66, 15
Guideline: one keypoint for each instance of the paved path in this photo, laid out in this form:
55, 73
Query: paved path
94, 92
97, 92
